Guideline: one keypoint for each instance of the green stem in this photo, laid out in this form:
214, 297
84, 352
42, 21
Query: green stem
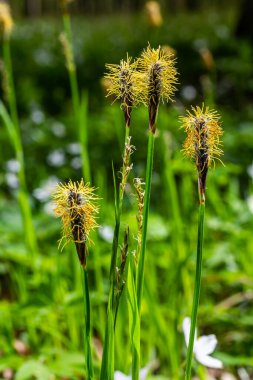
107, 368
87, 328
10, 83
72, 72
118, 212
197, 286
79, 105
83, 135
140, 274
30, 236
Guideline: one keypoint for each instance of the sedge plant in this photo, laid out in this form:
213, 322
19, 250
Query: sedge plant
122, 82
202, 145
75, 203
11, 121
159, 77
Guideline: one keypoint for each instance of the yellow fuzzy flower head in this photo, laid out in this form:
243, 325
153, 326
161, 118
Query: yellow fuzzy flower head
153, 11
122, 84
159, 79
202, 143
6, 21
75, 204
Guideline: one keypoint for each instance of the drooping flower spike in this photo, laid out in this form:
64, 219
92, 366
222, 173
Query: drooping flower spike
202, 143
158, 81
75, 204
124, 85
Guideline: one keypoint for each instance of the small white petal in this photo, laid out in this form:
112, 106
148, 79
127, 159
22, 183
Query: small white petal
144, 372
243, 374
208, 361
206, 344
121, 376
186, 331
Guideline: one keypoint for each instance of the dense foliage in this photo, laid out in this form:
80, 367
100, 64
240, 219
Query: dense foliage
41, 311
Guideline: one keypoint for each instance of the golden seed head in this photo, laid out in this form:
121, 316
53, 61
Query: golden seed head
203, 130
159, 75
6, 21
153, 12
75, 204
123, 83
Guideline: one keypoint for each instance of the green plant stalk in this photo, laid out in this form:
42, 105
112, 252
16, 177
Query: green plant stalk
148, 179
87, 329
107, 368
83, 135
79, 105
134, 321
14, 134
197, 286
72, 73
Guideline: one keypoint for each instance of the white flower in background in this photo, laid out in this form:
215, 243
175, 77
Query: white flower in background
106, 233
143, 374
250, 203
43, 193
243, 374
56, 158
203, 346
12, 166
250, 170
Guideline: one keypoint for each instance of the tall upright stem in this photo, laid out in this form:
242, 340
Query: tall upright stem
149, 167
197, 287
87, 330
118, 212
79, 103
72, 70
30, 236
107, 368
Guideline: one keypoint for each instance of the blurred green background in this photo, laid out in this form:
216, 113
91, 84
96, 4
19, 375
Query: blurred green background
41, 303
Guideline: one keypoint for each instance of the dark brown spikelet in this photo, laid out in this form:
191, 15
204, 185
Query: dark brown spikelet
202, 143
123, 82
77, 226
159, 80
75, 205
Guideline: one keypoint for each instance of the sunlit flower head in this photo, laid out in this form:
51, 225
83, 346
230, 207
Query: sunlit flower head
6, 21
159, 79
75, 204
203, 346
153, 11
158, 66
202, 143
123, 85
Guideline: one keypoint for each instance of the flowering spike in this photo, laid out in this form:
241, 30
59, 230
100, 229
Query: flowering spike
123, 85
74, 203
159, 79
202, 143
6, 21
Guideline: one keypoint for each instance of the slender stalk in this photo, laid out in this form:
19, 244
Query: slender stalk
197, 286
118, 212
140, 274
71, 67
11, 92
107, 368
87, 330
79, 103
30, 236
